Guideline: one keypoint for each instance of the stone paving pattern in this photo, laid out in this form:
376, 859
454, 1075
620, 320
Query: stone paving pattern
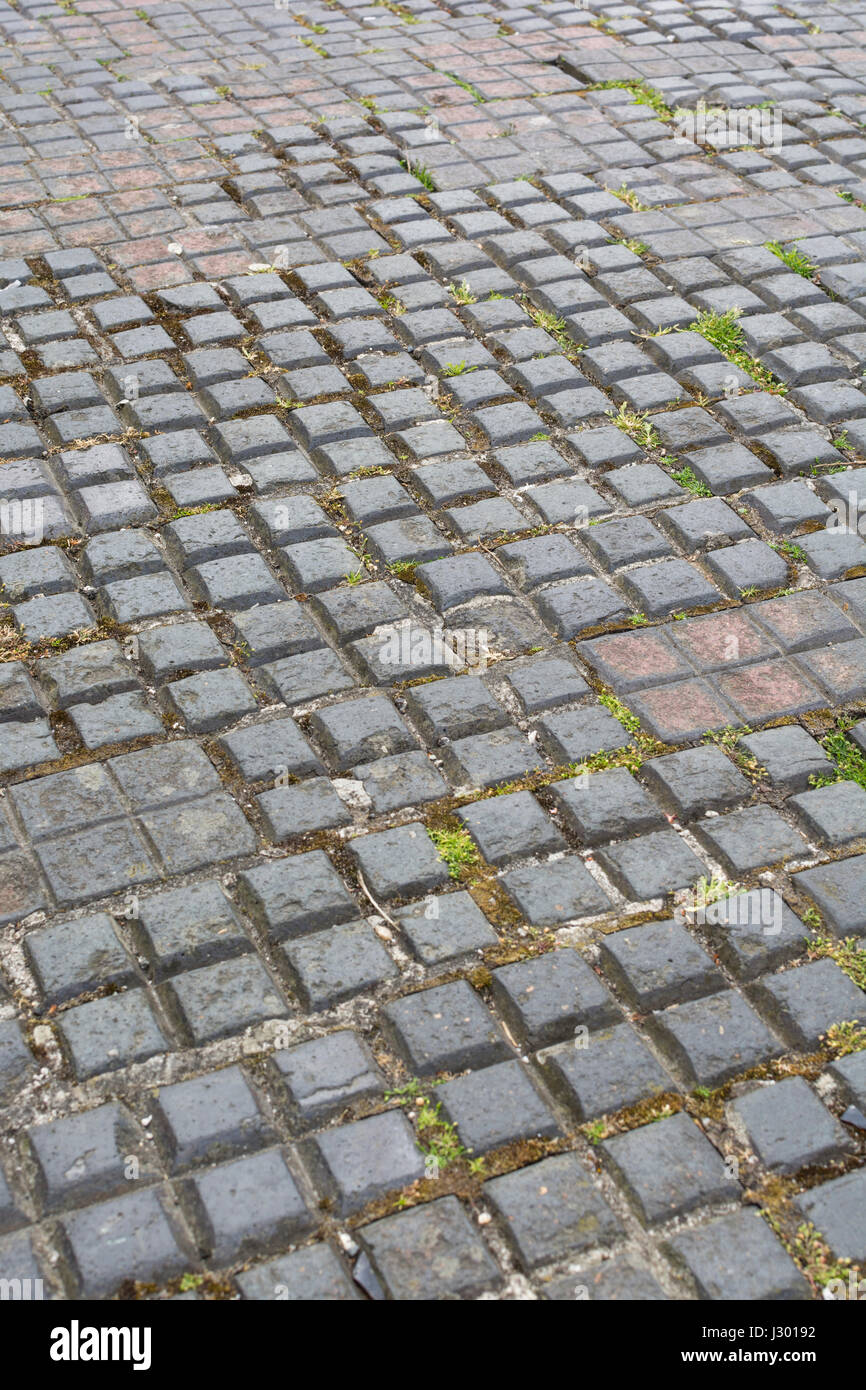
315, 320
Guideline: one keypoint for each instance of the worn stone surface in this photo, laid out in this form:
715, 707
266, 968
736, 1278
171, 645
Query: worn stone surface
429, 656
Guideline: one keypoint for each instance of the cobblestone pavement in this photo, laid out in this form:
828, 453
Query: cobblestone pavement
433, 826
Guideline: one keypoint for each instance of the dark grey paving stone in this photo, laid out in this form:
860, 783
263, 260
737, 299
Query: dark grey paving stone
511, 827
747, 840
580, 606
90, 673
551, 1210
553, 997
658, 964
671, 586
606, 805
752, 932
570, 736
186, 927
365, 1159
250, 1206
696, 780
274, 630
542, 682
210, 1119
604, 1071
712, 1039
652, 866
73, 958
849, 1073
332, 965
430, 1251
142, 1244
110, 1033
79, 1158
668, 1169
617, 1279
327, 1074
95, 862
399, 863
446, 1028
839, 891
803, 1003
119, 719
787, 1126
496, 1107
454, 708
834, 815
738, 1257
266, 751
485, 759
404, 779
200, 833
312, 1274
560, 890
217, 1000
300, 893
837, 1210
543, 559
789, 756
445, 928
358, 731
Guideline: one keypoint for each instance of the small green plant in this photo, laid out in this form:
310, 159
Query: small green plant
687, 478
391, 305
641, 92
795, 260
462, 293
849, 954
725, 333
190, 1281
842, 441
403, 569
846, 1038
849, 763
637, 425
456, 850
638, 620
816, 1259
421, 173
629, 197
457, 369
637, 248
354, 577
712, 890
556, 326
538, 437
476, 94
595, 1131
621, 712
789, 549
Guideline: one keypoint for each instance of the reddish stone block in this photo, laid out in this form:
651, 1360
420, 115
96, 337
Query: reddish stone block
683, 711
841, 670
800, 621
720, 640
632, 660
770, 689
